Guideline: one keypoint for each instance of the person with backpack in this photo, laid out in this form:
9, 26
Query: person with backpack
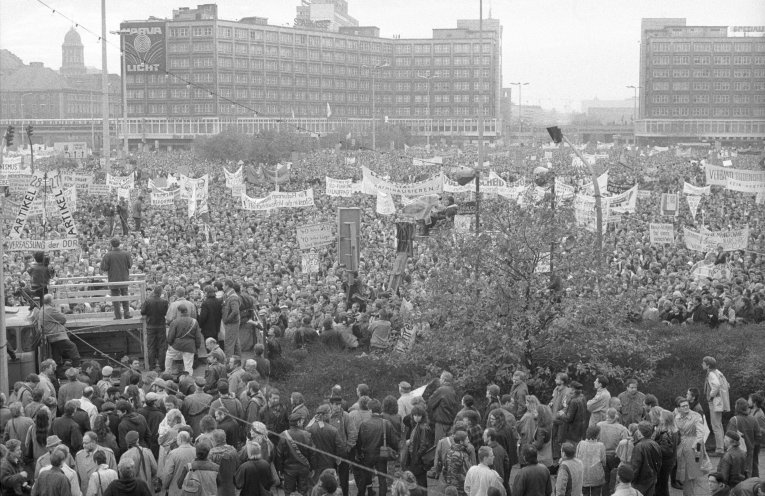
143, 458
200, 477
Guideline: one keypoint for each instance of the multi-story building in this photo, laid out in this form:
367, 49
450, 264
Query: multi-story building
238, 68
331, 14
702, 80
609, 111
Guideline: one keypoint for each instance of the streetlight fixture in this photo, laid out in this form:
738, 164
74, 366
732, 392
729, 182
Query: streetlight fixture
428, 76
520, 106
122, 33
634, 101
372, 70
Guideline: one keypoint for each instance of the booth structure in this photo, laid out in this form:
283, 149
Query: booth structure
91, 323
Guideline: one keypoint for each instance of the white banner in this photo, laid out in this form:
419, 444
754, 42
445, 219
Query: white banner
693, 204
662, 234
65, 211
730, 240
339, 187
238, 190
234, 178
602, 184
14, 166
563, 190
432, 186
717, 176
669, 204
689, 189
189, 184
79, 181
165, 198
491, 184
126, 182
315, 235
385, 204
295, 199
98, 189
33, 245
24, 209
310, 263
623, 202
752, 187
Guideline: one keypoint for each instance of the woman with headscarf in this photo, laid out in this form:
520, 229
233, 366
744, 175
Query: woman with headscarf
168, 432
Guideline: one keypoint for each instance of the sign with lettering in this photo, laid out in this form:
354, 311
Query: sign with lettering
32, 245
144, 46
315, 235
662, 234
294, 199
730, 240
98, 189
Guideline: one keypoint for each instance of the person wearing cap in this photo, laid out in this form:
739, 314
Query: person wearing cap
154, 415
106, 381
293, 455
404, 399
573, 418
52, 442
143, 458
154, 309
733, 464
326, 439
117, 263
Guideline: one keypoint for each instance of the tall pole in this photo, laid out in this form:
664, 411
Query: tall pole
106, 151
3, 336
480, 121
374, 117
634, 100
124, 97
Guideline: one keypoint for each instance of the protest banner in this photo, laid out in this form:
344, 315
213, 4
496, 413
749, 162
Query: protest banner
669, 204
98, 189
643, 194
238, 190
752, 187
693, 204
188, 184
730, 240
26, 204
294, 199
718, 176
490, 184
315, 235
310, 263
564, 191
588, 188
623, 202
689, 189
706, 270
234, 178
339, 187
350, 160
662, 234
125, 182
62, 204
79, 181
71, 149
14, 166
727, 163
385, 205
32, 245
407, 338
165, 198
433, 185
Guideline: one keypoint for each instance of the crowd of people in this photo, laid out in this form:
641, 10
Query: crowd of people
124, 431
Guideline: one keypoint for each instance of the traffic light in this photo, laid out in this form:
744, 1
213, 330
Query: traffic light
30, 131
9, 136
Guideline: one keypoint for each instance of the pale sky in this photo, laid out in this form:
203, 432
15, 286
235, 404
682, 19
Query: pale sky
567, 50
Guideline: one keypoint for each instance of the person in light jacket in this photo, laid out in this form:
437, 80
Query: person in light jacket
54, 330
183, 339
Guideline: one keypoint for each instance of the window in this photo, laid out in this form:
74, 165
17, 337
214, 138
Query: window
285, 38
661, 60
157, 93
178, 47
660, 86
202, 46
722, 47
742, 46
742, 86
327, 43
660, 73
702, 59
742, 60
700, 112
681, 98
700, 98
703, 46
721, 86
179, 93
681, 73
721, 73
721, 112
681, 86
742, 73
661, 99
179, 32
179, 63
403, 61
441, 48
256, 35
741, 98
660, 111
702, 73
681, 59
683, 47
720, 98
759, 60
272, 36
201, 31
224, 32
657, 46
182, 108
701, 86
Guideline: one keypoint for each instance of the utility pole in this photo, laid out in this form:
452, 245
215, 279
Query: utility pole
3, 332
106, 150
428, 76
372, 69
123, 59
480, 122
520, 107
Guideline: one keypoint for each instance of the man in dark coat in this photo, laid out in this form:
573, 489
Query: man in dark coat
371, 437
116, 263
210, 317
574, 417
253, 477
231, 318
53, 482
67, 429
227, 459
327, 441
292, 459
154, 416
646, 460
154, 309
534, 478
443, 405
131, 421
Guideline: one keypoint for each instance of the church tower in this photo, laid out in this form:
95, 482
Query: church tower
72, 57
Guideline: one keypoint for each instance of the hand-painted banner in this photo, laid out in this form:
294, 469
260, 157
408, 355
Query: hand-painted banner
165, 198
689, 189
385, 205
238, 190
730, 240
717, 176
662, 234
199, 184
24, 209
434, 185
97, 189
315, 235
693, 204
234, 178
310, 263
14, 166
32, 245
65, 211
50, 204
339, 187
490, 183
752, 187
295, 199
126, 182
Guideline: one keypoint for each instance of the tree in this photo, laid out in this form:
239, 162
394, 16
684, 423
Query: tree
493, 309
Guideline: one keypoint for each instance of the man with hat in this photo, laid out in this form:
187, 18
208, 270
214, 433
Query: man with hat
624, 477
106, 382
327, 441
51, 443
405, 399
574, 417
293, 456
733, 466
145, 463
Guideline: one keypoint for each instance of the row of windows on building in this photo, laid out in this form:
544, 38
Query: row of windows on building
306, 53
285, 81
259, 35
248, 63
707, 59
707, 46
707, 112
287, 67
285, 95
707, 86
706, 98
318, 110
708, 73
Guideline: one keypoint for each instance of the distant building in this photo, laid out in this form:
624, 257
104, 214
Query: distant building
706, 81
609, 111
283, 71
329, 15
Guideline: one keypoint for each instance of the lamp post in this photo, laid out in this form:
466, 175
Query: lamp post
372, 70
122, 33
634, 101
520, 106
105, 139
23, 119
428, 76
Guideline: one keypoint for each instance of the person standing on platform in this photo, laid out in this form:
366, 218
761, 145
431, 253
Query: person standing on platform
154, 309
117, 263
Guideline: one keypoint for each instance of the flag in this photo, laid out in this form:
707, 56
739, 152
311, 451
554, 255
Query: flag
193, 201
329, 111
421, 207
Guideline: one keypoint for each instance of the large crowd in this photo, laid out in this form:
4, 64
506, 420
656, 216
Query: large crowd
230, 283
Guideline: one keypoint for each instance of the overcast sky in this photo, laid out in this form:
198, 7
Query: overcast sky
567, 50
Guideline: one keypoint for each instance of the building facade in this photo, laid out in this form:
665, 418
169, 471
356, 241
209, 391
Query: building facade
691, 73
249, 68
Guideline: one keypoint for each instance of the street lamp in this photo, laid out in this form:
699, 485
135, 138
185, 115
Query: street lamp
428, 76
22, 118
122, 33
372, 73
520, 106
634, 101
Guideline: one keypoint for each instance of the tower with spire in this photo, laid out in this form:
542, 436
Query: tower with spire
72, 54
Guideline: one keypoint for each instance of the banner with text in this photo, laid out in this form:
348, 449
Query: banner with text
315, 235
32, 245
125, 182
752, 187
689, 189
730, 240
718, 176
662, 234
294, 199
234, 178
693, 204
434, 185
26, 205
165, 198
339, 187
